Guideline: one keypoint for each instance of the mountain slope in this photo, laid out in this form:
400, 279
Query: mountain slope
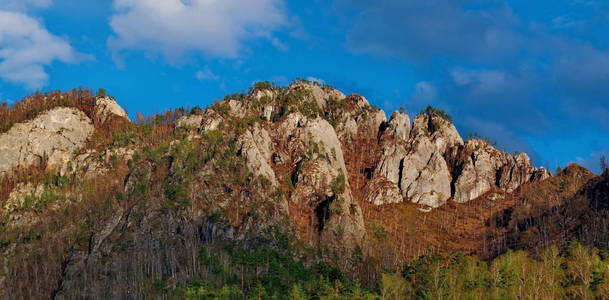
302, 168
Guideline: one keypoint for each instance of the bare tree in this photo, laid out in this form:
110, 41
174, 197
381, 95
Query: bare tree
604, 164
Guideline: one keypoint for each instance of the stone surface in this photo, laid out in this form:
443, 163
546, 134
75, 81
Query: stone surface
258, 94
256, 145
380, 191
414, 159
316, 93
106, 107
18, 195
267, 112
321, 132
479, 169
211, 120
484, 168
53, 137
399, 124
442, 133
237, 108
189, 122
540, 174
337, 217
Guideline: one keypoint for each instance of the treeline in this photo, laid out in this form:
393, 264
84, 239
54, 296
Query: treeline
578, 272
29, 107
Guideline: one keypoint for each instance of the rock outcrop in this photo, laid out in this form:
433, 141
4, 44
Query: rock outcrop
105, 108
399, 125
256, 145
315, 93
51, 139
414, 159
189, 122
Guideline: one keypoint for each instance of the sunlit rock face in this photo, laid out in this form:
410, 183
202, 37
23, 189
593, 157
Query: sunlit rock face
105, 108
431, 164
51, 138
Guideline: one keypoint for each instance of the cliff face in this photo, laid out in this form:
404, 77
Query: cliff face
306, 159
427, 164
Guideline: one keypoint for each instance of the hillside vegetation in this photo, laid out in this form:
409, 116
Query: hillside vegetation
291, 192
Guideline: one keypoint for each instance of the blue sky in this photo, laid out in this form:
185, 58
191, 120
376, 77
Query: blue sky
531, 75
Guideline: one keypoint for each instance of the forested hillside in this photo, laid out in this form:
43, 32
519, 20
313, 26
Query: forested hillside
293, 192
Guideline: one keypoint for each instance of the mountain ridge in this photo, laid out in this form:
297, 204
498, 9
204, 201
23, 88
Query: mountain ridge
329, 170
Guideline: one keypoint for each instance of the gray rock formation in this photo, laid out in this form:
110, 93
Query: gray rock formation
317, 94
480, 165
106, 107
380, 191
189, 122
336, 215
399, 125
257, 147
414, 159
431, 164
322, 180
51, 138
425, 163
483, 168
211, 120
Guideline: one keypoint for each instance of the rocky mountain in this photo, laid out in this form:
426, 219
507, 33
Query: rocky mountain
92, 200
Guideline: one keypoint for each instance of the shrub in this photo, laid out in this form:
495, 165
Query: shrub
177, 197
429, 110
338, 184
235, 96
476, 136
264, 85
101, 93
31, 106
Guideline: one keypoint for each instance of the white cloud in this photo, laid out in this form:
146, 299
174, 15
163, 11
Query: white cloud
425, 91
20, 5
279, 44
482, 82
315, 79
592, 162
173, 28
206, 74
482, 77
26, 48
